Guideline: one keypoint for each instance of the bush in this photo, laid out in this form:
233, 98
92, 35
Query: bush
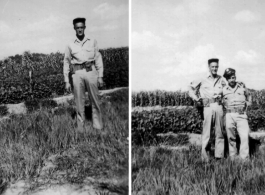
32, 105
47, 77
147, 124
48, 103
256, 119
3, 110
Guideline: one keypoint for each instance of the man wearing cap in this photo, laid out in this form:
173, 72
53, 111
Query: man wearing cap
207, 92
236, 100
83, 62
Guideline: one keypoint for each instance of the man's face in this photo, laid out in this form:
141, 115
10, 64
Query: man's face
232, 80
213, 67
80, 28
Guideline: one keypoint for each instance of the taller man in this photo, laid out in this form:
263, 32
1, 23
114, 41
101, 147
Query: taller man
208, 91
83, 60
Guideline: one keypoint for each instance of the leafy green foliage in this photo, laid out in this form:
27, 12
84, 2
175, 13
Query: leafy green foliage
116, 69
47, 78
3, 110
258, 97
256, 119
147, 124
32, 105
48, 103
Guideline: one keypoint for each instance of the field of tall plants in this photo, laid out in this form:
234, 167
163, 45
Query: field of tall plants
156, 112
169, 165
43, 148
34, 75
180, 98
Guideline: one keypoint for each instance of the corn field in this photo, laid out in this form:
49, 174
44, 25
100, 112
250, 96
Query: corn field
175, 112
179, 98
161, 98
34, 76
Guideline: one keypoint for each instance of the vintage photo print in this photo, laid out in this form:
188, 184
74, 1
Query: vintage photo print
198, 90
64, 90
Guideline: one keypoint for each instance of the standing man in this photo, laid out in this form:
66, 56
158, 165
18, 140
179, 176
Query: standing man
207, 92
83, 60
236, 100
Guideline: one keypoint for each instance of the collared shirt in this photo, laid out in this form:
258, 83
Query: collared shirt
78, 52
235, 97
207, 87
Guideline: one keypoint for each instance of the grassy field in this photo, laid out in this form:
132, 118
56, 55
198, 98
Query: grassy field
29, 142
161, 171
178, 168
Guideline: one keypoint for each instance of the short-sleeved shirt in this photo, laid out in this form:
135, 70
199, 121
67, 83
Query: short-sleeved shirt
207, 87
235, 97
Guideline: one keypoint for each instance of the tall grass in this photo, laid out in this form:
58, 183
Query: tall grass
27, 141
161, 171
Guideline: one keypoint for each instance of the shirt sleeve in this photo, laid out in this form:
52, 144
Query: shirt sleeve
67, 62
194, 89
98, 60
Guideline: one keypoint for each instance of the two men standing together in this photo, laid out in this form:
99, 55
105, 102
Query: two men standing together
223, 99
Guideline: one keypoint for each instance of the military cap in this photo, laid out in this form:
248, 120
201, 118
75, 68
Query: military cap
213, 60
76, 20
229, 72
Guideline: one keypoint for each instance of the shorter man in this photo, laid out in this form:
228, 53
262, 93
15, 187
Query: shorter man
236, 100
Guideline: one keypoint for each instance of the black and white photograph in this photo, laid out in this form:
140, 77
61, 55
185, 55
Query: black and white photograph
64, 97
197, 97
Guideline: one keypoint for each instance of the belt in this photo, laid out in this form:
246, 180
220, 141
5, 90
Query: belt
239, 110
207, 101
85, 65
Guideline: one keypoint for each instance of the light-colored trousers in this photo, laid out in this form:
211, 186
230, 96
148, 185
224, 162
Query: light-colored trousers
237, 123
213, 116
87, 81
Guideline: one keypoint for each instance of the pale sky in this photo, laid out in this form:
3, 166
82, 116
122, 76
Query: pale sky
172, 41
46, 26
